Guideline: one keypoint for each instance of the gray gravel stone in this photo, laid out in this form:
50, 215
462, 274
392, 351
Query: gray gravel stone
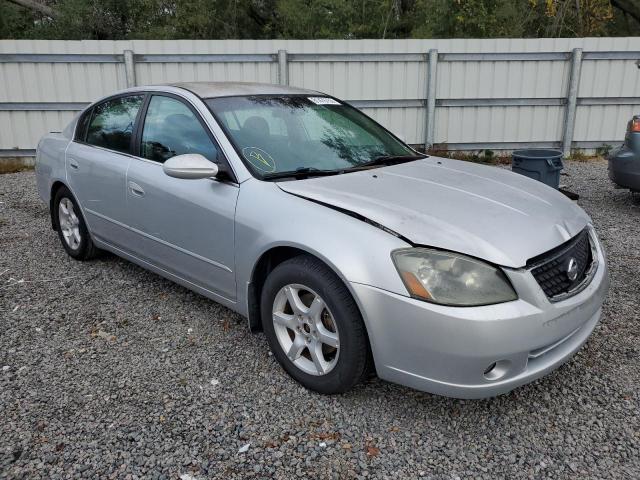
110, 371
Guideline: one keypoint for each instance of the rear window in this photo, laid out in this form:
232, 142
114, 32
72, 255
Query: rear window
81, 126
112, 123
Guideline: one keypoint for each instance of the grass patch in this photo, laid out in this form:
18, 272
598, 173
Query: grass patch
16, 164
488, 157
580, 156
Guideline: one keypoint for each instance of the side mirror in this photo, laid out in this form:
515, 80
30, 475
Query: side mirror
190, 166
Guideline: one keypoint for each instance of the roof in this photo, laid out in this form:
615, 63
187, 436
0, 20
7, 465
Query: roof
231, 89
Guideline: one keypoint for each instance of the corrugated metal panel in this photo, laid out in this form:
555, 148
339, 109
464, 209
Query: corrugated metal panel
64, 82
22, 130
606, 123
354, 80
407, 123
498, 124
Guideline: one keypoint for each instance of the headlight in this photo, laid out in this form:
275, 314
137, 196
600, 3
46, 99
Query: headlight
449, 278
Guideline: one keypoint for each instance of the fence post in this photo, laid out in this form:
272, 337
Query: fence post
430, 124
572, 100
129, 68
283, 68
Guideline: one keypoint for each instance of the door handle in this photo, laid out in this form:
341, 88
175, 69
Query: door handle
73, 164
136, 189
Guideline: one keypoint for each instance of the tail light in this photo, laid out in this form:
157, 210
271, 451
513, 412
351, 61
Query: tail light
634, 125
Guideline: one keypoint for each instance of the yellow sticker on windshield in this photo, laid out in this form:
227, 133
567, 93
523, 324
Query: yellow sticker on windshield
259, 159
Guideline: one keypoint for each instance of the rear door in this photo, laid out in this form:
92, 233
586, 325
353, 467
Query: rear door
183, 226
97, 162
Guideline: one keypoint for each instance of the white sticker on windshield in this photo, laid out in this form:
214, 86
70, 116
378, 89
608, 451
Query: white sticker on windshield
323, 101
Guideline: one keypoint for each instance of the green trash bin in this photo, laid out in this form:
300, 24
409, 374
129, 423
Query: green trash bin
540, 164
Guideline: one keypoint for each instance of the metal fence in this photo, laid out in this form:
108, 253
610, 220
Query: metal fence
449, 94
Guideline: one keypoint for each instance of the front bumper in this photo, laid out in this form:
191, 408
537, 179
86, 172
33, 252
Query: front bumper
446, 350
624, 168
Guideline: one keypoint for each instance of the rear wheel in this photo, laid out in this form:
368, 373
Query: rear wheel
71, 226
313, 326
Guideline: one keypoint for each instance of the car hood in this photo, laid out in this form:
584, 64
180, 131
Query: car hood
486, 212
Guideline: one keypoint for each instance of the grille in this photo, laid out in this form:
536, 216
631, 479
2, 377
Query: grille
550, 269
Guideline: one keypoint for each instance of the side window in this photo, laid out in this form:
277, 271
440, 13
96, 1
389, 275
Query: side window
112, 123
81, 126
170, 129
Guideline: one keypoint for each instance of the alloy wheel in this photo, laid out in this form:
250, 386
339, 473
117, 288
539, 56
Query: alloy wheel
69, 223
306, 329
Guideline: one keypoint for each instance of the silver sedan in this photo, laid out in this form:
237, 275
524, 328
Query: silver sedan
351, 251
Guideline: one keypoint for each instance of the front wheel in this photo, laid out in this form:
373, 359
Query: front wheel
313, 326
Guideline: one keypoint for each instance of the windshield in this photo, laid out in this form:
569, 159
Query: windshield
276, 134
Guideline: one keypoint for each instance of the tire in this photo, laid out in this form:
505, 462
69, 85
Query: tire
72, 228
339, 323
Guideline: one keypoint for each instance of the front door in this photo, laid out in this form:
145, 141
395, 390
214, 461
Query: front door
183, 226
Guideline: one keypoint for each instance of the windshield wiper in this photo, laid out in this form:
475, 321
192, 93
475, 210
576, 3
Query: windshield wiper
307, 172
390, 160
302, 172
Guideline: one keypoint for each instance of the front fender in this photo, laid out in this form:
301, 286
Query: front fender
267, 217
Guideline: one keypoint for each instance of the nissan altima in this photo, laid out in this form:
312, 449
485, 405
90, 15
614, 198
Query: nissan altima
352, 252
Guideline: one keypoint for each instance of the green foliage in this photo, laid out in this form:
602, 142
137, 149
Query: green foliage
15, 22
604, 150
578, 155
339, 19
480, 156
342, 19
469, 18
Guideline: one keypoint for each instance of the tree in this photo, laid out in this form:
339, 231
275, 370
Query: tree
469, 18
346, 19
571, 18
36, 7
628, 7
342, 19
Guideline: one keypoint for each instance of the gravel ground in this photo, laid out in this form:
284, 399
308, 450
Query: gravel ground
111, 371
